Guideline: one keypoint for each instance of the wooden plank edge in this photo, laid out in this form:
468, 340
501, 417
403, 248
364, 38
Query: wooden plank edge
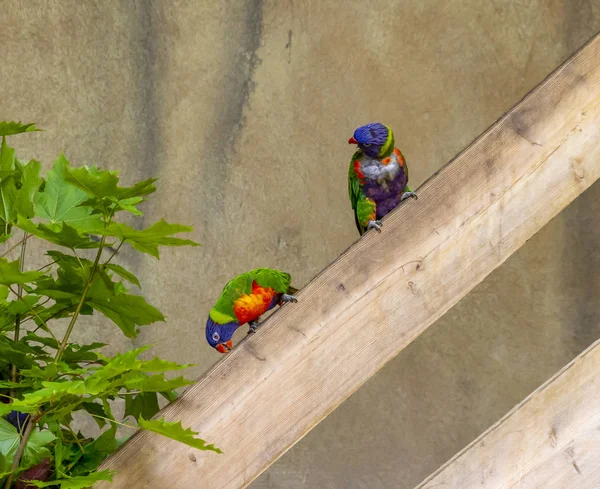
475, 467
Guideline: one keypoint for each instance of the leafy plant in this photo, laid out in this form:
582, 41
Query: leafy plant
45, 378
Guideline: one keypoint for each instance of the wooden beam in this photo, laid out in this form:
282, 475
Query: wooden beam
551, 440
383, 291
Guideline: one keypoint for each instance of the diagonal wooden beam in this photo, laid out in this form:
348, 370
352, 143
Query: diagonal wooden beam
550, 440
383, 291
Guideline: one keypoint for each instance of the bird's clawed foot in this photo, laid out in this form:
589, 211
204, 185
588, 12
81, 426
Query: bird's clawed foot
375, 225
288, 298
253, 326
406, 195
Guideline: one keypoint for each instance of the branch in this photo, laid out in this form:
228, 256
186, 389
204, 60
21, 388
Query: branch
14, 246
14, 373
24, 439
65, 340
32, 310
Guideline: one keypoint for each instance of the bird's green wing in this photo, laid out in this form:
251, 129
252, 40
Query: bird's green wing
275, 279
353, 183
223, 311
242, 284
364, 208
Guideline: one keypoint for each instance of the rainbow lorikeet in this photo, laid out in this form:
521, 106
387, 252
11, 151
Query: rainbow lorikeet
378, 176
243, 300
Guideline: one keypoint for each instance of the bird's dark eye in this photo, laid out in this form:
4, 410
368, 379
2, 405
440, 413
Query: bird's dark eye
366, 145
216, 336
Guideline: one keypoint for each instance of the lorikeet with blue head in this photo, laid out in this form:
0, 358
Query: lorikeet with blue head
243, 300
378, 176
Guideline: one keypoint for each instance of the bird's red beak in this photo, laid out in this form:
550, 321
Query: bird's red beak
224, 347
352, 141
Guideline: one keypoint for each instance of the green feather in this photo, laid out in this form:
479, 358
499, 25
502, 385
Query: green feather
242, 284
363, 208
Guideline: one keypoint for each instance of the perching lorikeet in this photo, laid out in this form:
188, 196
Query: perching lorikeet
378, 176
243, 300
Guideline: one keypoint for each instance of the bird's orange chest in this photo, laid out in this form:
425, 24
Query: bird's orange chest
250, 307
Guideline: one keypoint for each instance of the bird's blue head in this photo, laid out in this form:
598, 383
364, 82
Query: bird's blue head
219, 335
376, 140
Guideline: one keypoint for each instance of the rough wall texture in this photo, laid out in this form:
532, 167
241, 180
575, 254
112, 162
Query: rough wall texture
243, 109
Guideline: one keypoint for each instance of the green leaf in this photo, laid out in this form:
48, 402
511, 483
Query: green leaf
73, 272
176, 432
11, 274
60, 234
35, 450
155, 383
18, 184
122, 440
78, 482
16, 353
75, 353
8, 354
52, 370
119, 364
148, 240
30, 183
170, 396
23, 384
160, 365
4, 467
10, 128
103, 183
44, 340
129, 205
144, 404
126, 310
26, 304
7, 160
124, 273
9, 438
59, 454
98, 450
95, 409
60, 201
8, 187
50, 392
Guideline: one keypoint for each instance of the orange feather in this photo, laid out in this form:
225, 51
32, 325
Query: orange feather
400, 157
249, 307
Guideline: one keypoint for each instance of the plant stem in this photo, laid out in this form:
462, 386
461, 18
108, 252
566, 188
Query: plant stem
14, 246
49, 265
76, 438
14, 373
65, 340
39, 304
114, 253
47, 329
24, 439
114, 421
78, 259
20, 291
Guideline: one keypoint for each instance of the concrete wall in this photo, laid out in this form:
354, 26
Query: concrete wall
243, 109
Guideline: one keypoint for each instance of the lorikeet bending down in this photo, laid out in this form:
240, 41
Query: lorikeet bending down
243, 300
378, 176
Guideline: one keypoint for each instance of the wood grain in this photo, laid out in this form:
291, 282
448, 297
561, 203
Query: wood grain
551, 440
383, 291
